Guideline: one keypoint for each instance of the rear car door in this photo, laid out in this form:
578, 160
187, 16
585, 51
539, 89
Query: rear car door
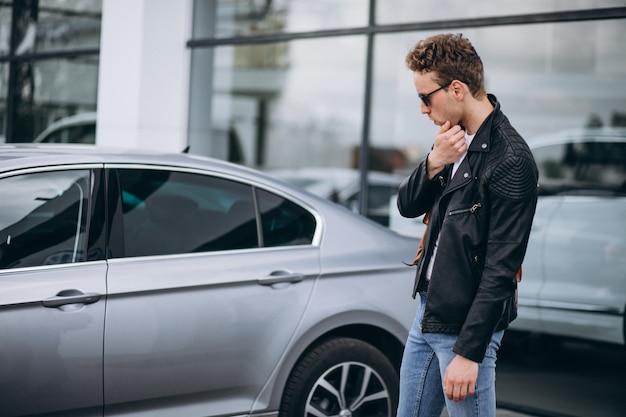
205, 295
52, 288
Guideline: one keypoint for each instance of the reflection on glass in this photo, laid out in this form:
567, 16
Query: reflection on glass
283, 222
541, 85
46, 90
279, 105
169, 212
43, 219
62, 87
403, 11
245, 18
5, 28
4, 78
68, 24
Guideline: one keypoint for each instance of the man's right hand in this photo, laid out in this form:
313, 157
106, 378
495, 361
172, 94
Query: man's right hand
449, 146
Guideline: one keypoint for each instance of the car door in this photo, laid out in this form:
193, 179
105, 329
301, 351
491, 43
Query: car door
533, 274
52, 287
584, 249
585, 287
198, 313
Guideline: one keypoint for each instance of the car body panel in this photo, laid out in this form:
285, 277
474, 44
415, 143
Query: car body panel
183, 319
346, 302
533, 274
57, 352
584, 292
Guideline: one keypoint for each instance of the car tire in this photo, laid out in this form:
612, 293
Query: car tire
342, 377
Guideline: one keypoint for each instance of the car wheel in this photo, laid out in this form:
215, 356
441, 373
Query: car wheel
342, 377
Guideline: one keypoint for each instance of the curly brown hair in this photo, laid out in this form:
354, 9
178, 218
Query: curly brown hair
451, 57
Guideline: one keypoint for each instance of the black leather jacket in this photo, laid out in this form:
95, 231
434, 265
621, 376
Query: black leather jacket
483, 216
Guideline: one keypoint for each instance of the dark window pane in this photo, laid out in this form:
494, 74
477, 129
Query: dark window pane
284, 223
173, 212
43, 218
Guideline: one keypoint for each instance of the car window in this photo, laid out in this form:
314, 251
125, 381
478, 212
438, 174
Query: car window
43, 218
284, 222
586, 168
168, 212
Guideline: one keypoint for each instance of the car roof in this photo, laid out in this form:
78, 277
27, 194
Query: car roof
21, 156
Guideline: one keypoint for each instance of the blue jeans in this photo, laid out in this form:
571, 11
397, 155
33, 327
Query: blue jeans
426, 357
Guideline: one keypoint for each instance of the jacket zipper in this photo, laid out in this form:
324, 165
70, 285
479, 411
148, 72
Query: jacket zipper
466, 210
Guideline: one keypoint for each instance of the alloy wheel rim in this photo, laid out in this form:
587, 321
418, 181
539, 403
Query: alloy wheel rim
349, 389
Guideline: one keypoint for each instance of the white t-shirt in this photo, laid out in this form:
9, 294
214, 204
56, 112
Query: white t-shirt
457, 163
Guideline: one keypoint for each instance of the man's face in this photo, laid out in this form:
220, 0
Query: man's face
439, 101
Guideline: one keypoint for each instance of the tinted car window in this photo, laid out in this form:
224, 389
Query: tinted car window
167, 212
284, 223
586, 168
43, 218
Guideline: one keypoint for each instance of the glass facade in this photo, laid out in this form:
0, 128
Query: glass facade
48, 63
542, 86
281, 105
402, 11
319, 85
250, 18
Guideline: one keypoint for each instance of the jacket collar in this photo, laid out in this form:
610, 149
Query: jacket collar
480, 143
482, 140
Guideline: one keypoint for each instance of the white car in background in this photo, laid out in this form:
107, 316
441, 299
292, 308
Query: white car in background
79, 128
574, 273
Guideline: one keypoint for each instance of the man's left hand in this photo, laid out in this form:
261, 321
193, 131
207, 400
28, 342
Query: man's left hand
459, 381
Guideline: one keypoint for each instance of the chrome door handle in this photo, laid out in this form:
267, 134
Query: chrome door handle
71, 297
277, 277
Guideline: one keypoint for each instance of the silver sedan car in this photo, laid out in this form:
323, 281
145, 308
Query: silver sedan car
172, 285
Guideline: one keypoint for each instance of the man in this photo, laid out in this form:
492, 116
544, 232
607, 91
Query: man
479, 186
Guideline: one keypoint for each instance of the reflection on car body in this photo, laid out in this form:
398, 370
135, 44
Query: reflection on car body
134, 284
574, 280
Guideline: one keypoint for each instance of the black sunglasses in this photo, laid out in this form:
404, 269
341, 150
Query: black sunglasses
426, 97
